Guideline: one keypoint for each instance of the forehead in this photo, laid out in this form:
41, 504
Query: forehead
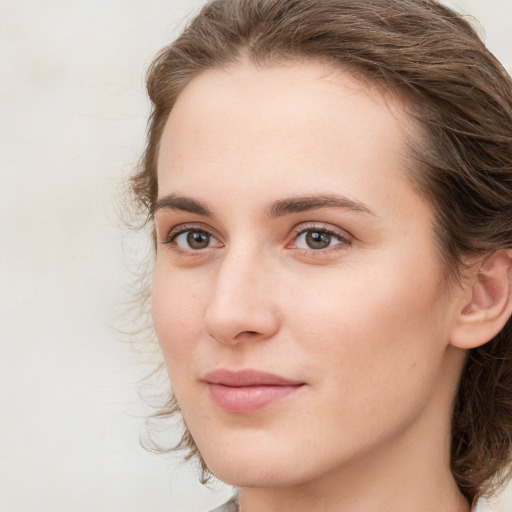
296, 125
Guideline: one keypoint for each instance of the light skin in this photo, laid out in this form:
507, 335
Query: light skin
291, 241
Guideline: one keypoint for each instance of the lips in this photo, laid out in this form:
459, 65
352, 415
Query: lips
248, 391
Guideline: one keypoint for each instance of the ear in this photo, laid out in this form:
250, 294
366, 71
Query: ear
486, 301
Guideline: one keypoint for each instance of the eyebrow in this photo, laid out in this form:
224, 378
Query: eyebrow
186, 204
297, 204
278, 208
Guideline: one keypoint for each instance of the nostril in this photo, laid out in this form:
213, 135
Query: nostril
231, 325
247, 333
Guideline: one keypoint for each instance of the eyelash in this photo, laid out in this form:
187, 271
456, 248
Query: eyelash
343, 238
182, 229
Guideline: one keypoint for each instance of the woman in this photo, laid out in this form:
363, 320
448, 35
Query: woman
330, 183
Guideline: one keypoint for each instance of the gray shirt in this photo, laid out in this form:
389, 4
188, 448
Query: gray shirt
232, 506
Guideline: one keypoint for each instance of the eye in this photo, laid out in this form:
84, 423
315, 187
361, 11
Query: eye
192, 239
316, 238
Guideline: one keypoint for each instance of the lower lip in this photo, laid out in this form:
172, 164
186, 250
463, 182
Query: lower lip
246, 399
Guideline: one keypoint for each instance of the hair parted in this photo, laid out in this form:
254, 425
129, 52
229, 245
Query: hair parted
461, 96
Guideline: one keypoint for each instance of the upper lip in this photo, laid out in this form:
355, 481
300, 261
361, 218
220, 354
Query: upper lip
249, 377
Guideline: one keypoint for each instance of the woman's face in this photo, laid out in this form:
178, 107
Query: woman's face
297, 298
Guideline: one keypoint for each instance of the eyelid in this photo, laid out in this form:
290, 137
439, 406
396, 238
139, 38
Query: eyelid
344, 237
176, 231
322, 226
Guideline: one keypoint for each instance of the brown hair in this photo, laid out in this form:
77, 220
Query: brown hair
462, 98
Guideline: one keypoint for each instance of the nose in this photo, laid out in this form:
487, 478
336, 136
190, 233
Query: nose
241, 306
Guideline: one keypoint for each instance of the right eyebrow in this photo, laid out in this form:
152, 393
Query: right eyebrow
186, 204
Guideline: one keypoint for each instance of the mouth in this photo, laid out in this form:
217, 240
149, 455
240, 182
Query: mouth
246, 391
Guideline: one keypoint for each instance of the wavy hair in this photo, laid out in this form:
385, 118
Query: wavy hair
461, 96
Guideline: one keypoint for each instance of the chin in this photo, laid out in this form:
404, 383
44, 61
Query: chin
256, 464
243, 468
261, 474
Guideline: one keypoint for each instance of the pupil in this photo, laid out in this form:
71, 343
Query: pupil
198, 240
318, 240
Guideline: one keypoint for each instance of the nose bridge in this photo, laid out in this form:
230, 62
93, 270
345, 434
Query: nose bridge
240, 304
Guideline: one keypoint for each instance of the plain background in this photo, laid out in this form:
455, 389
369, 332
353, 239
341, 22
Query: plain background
72, 124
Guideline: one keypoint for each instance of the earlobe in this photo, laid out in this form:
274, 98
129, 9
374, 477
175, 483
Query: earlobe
487, 301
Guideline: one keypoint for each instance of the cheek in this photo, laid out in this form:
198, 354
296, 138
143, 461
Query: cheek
370, 329
372, 348
177, 306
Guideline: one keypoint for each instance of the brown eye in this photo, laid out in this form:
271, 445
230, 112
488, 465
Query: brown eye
198, 239
318, 239
193, 240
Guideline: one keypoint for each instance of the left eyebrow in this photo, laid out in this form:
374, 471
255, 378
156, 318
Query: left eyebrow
298, 204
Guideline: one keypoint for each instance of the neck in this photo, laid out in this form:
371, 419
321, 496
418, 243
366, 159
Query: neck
370, 486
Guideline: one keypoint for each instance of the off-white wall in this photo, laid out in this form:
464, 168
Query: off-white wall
72, 122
